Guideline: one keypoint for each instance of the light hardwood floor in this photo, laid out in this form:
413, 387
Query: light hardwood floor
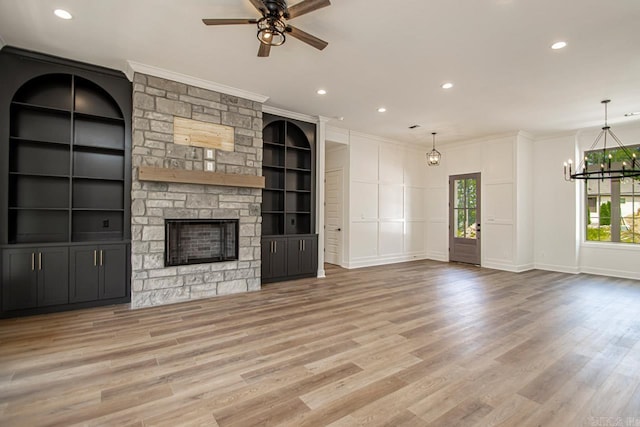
420, 343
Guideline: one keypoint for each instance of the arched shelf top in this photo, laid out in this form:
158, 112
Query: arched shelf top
48, 90
68, 92
296, 137
90, 98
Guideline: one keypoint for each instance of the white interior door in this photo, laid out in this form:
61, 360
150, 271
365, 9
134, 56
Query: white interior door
333, 217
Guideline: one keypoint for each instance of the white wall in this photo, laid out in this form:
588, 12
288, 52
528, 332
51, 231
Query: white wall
495, 159
554, 206
387, 203
396, 207
559, 211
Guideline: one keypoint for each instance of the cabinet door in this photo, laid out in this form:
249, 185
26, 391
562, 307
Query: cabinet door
113, 276
84, 273
309, 255
19, 279
274, 258
53, 276
279, 257
266, 248
294, 249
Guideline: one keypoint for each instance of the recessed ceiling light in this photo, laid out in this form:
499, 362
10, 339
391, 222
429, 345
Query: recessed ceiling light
382, 110
321, 92
62, 14
634, 113
447, 85
558, 45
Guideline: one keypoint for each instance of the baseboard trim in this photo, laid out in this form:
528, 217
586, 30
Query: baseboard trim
371, 262
508, 267
558, 268
611, 273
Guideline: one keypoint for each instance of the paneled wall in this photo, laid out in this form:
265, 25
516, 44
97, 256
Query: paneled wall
387, 202
505, 200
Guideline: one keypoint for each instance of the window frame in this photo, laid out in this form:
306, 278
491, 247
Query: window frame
615, 195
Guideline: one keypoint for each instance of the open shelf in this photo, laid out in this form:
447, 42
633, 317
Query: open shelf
38, 226
67, 160
50, 91
287, 203
98, 118
40, 125
39, 107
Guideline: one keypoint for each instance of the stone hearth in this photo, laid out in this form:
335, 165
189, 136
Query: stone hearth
156, 102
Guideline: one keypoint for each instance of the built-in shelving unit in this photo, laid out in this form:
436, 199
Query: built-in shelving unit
66, 162
288, 198
66, 167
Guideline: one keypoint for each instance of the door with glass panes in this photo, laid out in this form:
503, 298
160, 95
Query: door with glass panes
464, 218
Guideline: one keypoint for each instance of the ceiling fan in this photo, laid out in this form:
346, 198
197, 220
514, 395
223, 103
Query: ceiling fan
273, 24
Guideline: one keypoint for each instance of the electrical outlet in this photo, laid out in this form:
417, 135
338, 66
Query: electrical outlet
208, 154
208, 166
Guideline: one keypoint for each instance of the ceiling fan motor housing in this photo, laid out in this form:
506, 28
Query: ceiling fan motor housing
276, 7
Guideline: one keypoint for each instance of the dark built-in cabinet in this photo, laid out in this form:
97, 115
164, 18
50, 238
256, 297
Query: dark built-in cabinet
289, 242
65, 172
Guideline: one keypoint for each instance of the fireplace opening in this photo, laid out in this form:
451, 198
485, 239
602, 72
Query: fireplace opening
194, 241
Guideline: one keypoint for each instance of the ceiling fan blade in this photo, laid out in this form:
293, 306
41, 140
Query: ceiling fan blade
258, 4
228, 21
307, 6
306, 37
264, 50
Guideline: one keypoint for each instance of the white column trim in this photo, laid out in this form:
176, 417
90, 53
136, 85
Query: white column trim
321, 134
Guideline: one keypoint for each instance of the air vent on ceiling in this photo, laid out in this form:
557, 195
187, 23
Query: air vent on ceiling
414, 126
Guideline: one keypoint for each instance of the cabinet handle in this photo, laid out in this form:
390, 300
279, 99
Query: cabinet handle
275, 246
101, 257
39, 260
300, 245
95, 258
304, 245
33, 261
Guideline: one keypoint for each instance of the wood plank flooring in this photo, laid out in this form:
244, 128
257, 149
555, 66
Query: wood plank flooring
421, 344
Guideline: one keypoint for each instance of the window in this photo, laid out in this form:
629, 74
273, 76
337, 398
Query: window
612, 205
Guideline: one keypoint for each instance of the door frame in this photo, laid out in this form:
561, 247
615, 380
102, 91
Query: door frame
341, 208
452, 179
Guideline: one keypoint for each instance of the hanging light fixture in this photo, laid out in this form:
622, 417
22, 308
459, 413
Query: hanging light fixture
624, 165
271, 30
433, 156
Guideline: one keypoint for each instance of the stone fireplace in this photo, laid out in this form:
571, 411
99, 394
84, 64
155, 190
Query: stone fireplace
156, 103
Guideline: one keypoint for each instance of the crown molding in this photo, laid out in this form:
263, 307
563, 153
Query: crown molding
290, 114
137, 67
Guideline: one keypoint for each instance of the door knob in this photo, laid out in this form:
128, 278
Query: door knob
338, 229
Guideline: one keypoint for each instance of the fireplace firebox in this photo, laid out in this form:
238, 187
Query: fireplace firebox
195, 241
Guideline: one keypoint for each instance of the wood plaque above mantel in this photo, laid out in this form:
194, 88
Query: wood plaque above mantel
201, 134
151, 173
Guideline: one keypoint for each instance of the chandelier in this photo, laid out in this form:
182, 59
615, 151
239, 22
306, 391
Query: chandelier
433, 156
610, 163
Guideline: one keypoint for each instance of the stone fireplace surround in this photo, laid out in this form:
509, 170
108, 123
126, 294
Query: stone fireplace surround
156, 102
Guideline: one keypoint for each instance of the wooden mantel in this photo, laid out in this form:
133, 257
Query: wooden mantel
150, 173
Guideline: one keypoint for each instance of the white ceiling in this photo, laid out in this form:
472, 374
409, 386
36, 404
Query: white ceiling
381, 53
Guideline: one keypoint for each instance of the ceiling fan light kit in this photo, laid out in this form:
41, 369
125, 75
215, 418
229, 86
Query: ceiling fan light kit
273, 24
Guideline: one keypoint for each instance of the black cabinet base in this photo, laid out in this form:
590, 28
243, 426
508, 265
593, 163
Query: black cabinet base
289, 257
287, 278
61, 308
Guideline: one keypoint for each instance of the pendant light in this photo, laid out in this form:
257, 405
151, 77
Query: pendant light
433, 156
